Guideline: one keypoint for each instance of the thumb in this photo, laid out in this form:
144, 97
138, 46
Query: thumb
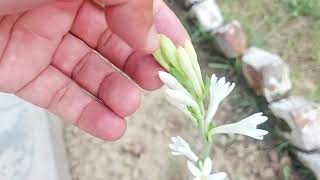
14, 6
132, 20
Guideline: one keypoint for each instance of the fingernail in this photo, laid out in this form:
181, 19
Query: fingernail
153, 40
100, 3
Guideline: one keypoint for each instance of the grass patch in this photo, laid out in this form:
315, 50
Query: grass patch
289, 28
303, 7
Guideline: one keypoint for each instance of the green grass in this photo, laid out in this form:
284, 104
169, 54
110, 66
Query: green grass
303, 7
289, 28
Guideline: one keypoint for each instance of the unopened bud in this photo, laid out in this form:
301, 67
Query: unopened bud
168, 50
186, 66
161, 60
194, 60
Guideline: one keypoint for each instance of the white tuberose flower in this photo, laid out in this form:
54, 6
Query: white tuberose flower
204, 173
180, 147
171, 82
177, 94
247, 126
219, 89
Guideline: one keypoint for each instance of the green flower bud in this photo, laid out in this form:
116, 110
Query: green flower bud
161, 60
194, 60
187, 68
168, 50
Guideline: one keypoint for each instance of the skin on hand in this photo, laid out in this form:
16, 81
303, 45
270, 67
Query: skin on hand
15, 6
48, 57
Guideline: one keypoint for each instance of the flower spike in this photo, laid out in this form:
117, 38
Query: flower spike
187, 91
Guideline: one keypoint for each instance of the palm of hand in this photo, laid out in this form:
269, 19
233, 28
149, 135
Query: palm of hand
48, 57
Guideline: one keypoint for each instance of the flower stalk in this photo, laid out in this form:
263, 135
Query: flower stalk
187, 91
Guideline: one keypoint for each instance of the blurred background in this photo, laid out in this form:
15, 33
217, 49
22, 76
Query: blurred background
288, 28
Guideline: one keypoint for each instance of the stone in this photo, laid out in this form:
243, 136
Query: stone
208, 14
312, 161
303, 117
134, 148
231, 39
31, 142
266, 73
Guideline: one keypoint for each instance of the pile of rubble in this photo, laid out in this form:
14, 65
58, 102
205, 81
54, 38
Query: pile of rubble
268, 75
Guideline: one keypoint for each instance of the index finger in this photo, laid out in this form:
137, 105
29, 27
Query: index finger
132, 20
138, 66
141, 68
168, 23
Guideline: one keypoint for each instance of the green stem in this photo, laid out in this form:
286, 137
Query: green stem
201, 108
208, 149
202, 128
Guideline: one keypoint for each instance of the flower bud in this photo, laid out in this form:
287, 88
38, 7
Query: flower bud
194, 60
161, 60
186, 66
168, 50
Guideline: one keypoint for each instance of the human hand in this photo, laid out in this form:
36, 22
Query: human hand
48, 56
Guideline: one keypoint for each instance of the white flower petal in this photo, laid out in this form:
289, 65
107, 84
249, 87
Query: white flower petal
226, 129
181, 147
230, 88
247, 126
212, 109
256, 133
193, 169
181, 107
170, 81
207, 166
204, 173
174, 139
221, 81
255, 119
173, 147
218, 176
182, 142
176, 153
219, 89
181, 98
214, 79
191, 156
